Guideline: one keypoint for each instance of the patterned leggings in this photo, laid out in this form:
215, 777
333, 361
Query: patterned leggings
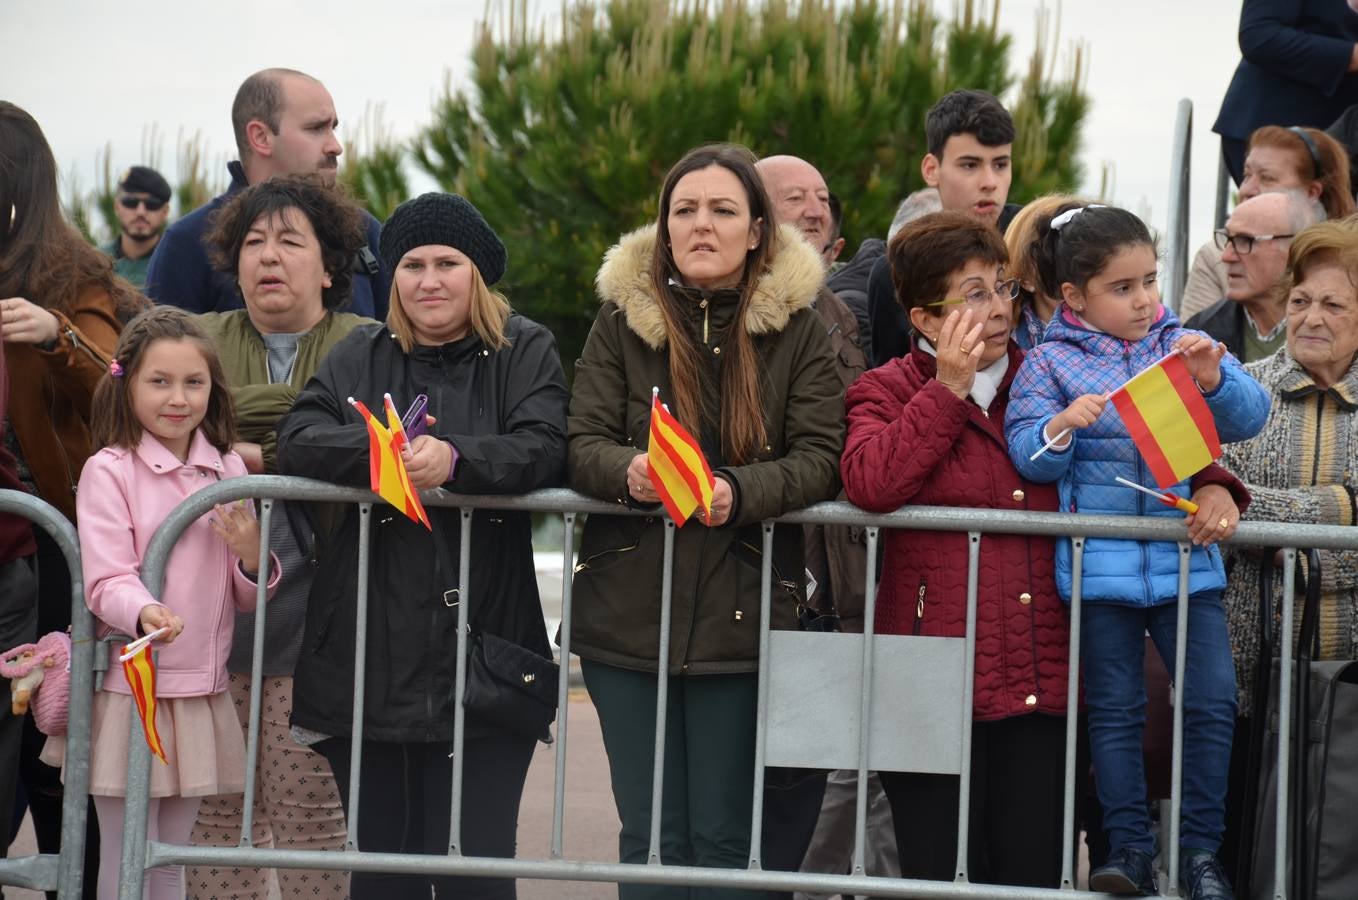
297, 806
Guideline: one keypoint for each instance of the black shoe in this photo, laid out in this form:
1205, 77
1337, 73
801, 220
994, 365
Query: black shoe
1127, 872
1201, 877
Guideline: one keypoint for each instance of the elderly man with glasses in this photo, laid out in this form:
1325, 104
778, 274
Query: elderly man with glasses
142, 208
1254, 243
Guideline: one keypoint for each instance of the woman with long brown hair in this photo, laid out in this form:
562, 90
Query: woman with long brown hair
61, 311
712, 305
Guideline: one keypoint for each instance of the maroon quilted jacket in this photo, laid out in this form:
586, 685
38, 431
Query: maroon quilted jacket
912, 441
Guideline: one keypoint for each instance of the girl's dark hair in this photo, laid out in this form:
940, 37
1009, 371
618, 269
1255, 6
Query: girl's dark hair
742, 408
337, 221
41, 256
115, 424
1082, 247
925, 253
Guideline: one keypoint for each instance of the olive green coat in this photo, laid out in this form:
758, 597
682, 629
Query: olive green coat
617, 586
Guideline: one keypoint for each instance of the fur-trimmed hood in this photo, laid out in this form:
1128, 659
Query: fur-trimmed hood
790, 284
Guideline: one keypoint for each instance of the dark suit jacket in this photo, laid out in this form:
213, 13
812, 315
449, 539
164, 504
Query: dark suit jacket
1294, 66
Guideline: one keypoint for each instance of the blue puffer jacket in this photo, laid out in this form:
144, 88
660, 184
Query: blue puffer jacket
1076, 360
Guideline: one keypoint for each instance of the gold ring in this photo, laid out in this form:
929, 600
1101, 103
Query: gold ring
1223, 523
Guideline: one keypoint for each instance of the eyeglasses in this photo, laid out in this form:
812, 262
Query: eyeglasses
1244, 243
981, 297
152, 204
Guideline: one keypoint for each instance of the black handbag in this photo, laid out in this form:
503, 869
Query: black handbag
511, 686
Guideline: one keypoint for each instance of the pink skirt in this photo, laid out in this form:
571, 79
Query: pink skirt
202, 737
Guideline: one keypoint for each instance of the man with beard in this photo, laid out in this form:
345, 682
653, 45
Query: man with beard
142, 208
284, 122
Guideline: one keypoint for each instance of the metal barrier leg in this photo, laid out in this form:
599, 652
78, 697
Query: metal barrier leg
76, 777
968, 698
247, 820
563, 688
464, 566
1072, 719
1177, 753
860, 817
1282, 834
662, 677
762, 708
360, 659
137, 794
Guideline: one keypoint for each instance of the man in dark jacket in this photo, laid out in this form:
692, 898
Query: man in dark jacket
971, 138
1250, 320
285, 124
1298, 60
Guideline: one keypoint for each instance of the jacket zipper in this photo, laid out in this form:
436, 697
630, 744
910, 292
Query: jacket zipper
919, 606
704, 306
584, 565
1320, 427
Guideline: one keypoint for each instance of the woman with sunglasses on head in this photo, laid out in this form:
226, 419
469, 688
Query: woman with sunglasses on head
1276, 159
928, 428
61, 311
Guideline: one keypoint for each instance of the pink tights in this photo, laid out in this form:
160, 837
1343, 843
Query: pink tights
168, 820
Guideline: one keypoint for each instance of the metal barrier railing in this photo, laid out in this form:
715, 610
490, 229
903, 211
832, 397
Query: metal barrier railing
871, 651
1180, 184
64, 872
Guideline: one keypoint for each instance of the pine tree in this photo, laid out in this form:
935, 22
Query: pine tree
563, 138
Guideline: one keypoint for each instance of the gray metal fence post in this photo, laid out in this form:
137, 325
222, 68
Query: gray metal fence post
360, 668
762, 704
1177, 747
1072, 717
662, 677
1283, 833
256, 676
968, 699
137, 799
563, 686
860, 818
1180, 172
464, 636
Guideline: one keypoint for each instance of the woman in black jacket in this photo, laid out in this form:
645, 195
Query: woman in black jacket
497, 423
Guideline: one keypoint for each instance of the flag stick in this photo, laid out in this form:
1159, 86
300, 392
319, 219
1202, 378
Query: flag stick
134, 648
1177, 502
1050, 444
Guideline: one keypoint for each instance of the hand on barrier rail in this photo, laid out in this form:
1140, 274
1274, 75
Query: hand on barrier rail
1217, 515
429, 461
722, 499
236, 524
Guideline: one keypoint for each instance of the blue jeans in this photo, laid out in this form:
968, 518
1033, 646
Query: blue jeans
1112, 647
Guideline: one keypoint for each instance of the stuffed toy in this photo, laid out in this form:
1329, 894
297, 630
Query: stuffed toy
46, 664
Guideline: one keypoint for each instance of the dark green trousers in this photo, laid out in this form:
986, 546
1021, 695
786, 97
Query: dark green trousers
709, 771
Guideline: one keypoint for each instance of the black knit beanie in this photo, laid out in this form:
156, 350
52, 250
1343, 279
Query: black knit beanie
445, 219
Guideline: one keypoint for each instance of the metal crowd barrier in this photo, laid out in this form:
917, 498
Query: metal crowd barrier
62, 872
1180, 184
859, 667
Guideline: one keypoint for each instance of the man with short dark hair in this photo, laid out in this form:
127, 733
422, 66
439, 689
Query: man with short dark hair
1251, 319
284, 122
142, 205
970, 136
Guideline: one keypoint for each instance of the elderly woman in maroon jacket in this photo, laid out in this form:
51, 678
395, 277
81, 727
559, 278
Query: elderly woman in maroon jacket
928, 428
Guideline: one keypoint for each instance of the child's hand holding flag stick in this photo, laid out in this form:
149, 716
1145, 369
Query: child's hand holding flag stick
1173, 500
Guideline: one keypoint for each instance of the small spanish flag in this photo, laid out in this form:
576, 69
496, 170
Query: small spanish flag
1169, 421
676, 464
140, 670
387, 470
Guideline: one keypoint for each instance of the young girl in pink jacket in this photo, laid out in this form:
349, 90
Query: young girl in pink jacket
166, 417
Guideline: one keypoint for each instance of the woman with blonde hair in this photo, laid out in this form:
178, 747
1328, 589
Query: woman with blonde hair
1034, 307
495, 424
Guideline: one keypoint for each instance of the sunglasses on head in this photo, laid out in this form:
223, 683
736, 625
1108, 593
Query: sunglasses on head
151, 203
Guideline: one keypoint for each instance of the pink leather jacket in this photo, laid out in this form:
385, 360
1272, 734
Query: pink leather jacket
123, 497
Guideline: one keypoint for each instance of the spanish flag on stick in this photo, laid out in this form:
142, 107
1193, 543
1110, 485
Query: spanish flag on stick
388, 476
1169, 421
676, 465
140, 670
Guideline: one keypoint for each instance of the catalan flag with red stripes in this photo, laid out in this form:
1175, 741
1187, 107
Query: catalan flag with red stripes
387, 470
1169, 421
677, 467
140, 670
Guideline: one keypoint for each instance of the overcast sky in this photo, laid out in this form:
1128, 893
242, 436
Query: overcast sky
93, 73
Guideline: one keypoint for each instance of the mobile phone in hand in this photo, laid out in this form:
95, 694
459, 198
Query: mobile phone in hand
414, 421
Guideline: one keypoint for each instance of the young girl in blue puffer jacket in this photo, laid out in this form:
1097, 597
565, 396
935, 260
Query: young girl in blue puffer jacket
1101, 261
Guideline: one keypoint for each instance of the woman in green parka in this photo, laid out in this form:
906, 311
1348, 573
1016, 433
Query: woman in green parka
712, 304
